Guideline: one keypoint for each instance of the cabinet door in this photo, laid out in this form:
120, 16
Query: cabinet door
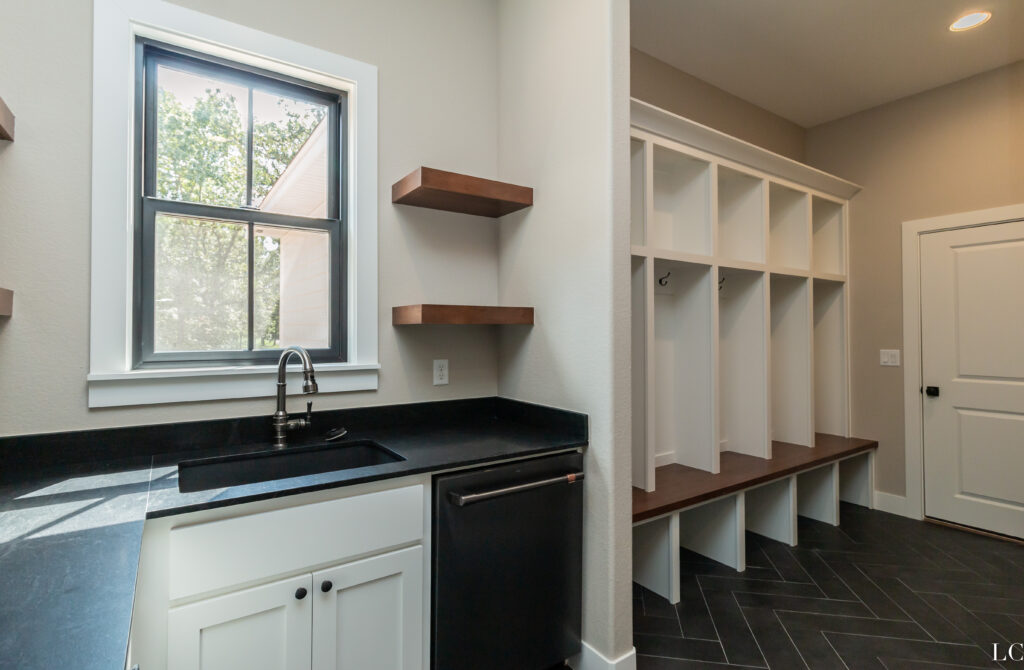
368, 615
263, 628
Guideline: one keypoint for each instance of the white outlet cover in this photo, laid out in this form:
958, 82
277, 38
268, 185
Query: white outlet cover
889, 357
440, 371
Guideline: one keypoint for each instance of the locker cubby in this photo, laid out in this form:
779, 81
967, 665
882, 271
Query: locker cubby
830, 373
791, 361
829, 247
683, 365
682, 203
789, 228
637, 188
741, 216
743, 362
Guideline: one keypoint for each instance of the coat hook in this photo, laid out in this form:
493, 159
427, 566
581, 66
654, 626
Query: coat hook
721, 283
664, 280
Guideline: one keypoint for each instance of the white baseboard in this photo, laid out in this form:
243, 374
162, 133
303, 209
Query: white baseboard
893, 504
664, 459
591, 659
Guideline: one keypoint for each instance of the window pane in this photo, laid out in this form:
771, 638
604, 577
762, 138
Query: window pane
291, 278
201, 285
200, 143
289, 143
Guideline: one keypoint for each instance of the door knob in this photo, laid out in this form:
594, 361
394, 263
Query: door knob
932, 391
326, 586
300, 593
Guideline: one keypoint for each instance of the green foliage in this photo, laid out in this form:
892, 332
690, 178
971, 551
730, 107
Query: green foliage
201, 278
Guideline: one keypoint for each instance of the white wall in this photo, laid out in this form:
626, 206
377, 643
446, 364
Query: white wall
665, 86
564, 129
952, 149
438, 106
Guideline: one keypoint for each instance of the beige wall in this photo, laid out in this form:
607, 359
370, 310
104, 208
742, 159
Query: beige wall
952, 149
564, 129
449, 121
660, 84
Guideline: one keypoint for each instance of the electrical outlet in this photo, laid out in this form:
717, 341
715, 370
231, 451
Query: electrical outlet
440, 371
889, 357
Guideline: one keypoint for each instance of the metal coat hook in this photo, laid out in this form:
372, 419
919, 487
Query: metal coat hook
721, 283
664, 280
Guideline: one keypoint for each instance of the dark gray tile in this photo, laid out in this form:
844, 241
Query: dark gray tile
677, 647
798, 604
822, 575
773, 640
692, 611
860, 652
737, 640
656, 625
921, 612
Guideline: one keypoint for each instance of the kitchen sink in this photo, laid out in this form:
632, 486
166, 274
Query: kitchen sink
220, 472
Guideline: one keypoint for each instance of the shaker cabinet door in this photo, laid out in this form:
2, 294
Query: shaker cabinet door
368, 615
263, 628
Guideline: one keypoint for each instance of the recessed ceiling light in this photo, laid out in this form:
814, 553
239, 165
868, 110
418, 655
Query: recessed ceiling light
968, 21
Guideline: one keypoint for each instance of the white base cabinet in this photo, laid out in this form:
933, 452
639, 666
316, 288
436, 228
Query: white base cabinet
332, 580
366, 615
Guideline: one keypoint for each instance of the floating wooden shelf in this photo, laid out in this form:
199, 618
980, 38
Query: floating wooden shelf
477, 315
6, 302
6, 122
453, 192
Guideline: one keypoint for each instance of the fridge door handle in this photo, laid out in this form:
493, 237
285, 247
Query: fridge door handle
463, 499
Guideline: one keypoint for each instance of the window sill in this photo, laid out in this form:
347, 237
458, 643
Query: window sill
157, 386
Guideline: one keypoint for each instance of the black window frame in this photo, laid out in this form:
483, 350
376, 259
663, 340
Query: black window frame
148, 56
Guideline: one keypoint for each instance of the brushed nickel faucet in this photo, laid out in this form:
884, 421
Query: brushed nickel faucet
282, 424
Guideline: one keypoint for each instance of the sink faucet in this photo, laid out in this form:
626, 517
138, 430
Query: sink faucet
282, 424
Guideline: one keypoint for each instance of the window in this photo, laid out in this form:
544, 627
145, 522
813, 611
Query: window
265, 225
239, 226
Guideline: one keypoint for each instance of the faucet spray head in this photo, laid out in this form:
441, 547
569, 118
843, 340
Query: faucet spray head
309, 382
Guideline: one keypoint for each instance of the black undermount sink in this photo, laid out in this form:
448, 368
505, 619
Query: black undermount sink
219, 472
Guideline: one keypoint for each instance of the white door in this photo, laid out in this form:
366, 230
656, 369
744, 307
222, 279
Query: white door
368, 615
263, 628
972, 349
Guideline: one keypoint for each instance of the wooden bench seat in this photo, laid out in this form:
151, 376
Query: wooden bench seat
710, 513
678, 486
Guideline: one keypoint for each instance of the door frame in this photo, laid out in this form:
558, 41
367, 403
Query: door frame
913, 404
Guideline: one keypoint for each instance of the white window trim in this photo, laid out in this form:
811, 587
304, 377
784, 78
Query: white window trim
116, 24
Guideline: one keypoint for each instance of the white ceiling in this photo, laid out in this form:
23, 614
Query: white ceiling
813, 61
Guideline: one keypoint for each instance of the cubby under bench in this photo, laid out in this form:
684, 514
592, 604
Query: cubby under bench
709, 513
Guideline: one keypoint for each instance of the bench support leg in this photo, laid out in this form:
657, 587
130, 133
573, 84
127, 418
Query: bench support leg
656, 556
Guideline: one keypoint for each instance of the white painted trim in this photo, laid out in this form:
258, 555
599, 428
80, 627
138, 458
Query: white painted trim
912, 382
128, 389
591, 659
893, 504
116, 24
666, 124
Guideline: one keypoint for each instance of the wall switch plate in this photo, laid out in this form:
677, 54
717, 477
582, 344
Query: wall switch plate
440, 371
889, 357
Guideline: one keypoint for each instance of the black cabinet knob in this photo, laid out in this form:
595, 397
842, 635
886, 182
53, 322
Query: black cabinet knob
300, 593
327, 586
932, 391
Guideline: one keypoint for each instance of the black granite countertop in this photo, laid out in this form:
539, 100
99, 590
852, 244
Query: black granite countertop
73, 505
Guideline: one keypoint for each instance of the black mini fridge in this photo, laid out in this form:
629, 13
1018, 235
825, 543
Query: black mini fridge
507, 565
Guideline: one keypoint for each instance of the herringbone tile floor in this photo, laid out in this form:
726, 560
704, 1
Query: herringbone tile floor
879, 591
